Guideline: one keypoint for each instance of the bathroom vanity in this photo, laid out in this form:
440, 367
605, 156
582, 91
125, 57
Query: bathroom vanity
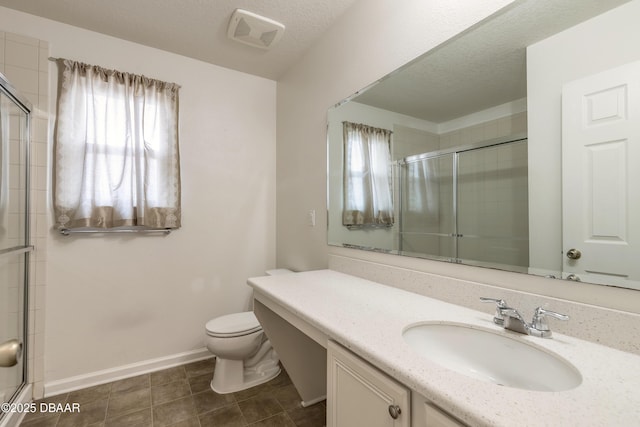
343, 336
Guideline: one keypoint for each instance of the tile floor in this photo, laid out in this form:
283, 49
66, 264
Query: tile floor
181, 397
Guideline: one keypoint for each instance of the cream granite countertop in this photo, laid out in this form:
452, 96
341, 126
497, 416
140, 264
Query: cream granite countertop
369, 318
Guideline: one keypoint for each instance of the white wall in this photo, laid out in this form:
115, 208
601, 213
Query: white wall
118, 300
601, 43
350, 56
370, 40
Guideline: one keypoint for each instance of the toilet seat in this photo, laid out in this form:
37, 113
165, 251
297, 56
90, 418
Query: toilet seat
233, 325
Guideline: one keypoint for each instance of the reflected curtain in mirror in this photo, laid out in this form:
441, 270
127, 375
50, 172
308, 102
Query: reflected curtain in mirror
368, 196
116, 150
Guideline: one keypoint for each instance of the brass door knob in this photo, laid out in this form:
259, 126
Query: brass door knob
574, 254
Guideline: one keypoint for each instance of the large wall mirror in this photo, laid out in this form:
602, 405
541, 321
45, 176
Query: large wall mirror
515, 145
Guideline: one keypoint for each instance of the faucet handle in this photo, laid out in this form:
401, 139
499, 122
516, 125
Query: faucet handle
498, 318
539, 321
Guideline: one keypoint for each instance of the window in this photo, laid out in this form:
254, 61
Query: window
116, 150
368, 197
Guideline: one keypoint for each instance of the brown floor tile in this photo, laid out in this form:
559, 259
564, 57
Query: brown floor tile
61, 398
229, 416
281, 380
312, 416
170, 391
130, 384
200, 368
90, 413
181, 397
251, 392
90, 394
174, 412
209, 400
168, 376
200, 383
191, 422
278, 420
288, 397
123, 403
141, 418
42, 420
259, 407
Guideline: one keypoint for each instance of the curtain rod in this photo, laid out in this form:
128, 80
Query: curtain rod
54, 59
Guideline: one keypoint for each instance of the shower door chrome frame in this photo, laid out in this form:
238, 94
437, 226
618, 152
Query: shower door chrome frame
454, 152
23, 104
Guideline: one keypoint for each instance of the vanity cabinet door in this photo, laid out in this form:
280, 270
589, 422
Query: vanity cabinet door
436, 418
359, 395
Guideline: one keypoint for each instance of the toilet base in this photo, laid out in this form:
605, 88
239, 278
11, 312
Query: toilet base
232, 375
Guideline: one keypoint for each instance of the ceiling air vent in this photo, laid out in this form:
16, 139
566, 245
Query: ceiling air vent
254, 30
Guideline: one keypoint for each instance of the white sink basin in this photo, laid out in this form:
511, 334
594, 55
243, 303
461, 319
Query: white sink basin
492, 357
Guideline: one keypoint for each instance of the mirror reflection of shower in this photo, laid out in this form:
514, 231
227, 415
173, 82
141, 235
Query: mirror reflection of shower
466, 204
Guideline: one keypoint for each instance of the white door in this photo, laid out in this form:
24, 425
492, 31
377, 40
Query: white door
601, 177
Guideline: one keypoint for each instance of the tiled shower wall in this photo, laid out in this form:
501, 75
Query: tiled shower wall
493, 194
24, 61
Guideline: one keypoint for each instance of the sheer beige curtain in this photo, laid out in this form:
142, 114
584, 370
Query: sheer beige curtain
116, 155
368, 196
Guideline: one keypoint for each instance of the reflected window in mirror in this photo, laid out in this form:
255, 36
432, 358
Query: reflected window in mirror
368, 194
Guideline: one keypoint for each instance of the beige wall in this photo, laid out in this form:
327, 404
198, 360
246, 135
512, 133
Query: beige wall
341, 63
121, 300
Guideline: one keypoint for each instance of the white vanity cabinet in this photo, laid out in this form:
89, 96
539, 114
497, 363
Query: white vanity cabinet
426, 414
360, 395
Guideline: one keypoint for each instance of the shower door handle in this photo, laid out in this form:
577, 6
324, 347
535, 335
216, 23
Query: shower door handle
10, 352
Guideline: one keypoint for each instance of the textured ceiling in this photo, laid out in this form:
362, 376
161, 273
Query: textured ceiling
481, 68
197, 28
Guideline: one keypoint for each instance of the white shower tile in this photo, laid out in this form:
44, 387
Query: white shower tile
490, 129
41, 178
43, 60
38, 390
43, 105
41, 226
21, 55
43, 83
2, 42
39, 321
520, 122
38, 368
22, 39
40, 129
23, 79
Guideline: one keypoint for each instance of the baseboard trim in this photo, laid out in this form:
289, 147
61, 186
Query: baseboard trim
66, 385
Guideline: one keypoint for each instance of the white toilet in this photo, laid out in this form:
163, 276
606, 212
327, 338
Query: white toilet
244, 356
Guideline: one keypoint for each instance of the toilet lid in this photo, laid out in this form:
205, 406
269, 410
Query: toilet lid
233, 324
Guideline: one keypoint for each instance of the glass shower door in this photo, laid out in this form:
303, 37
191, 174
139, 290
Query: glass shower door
427, 223
14, 240
493, 206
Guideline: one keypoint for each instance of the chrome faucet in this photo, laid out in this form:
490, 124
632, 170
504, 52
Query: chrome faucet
498, 318
511, 319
